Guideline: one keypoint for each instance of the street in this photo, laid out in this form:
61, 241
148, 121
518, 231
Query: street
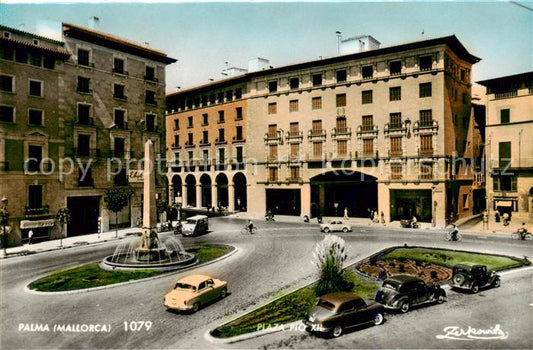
276, 258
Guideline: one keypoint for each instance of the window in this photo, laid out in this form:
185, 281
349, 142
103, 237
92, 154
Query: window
341, 100
49, 62
272, 174
221, 155
317, 149
150, 73
35, 156
176, 124
396, 171
151, 123
395, 67
204, 100
465, 201
84, 114
238, 93
118, 65
463, 75
426, 170
205, 156
35, 117
21, 56
7, 114
212, 99
341, 75
505, 183
425, 90
464, 98
120, 118
205, 119
317, 127
121, 179
190, 139
341, 124
272, 130
36, 60
83, 57
7, 34
504, 154
395, 121
176, 141
317, 79
238, 113
176, 157
118, 147
366, 96
273, 86
221, 116
396, 146
35, 196
368, 146
150, 97
426, 118
295, 150
342, 148
221, 137
272, 108
189, 122
426, 144
316, 103
294, 128
6, 53
36, 88
367, 72
205, 137
505, 116
239, 156
6, 83
272, 152
425, 62
294, 83
293, 106
238, 133
295, 172
83, 85
118, 91
220, 97
229, 95
368, 123
84, 145
395, 93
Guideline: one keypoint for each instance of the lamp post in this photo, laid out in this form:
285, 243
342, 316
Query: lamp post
5, 218
336, 205
178, 203
434, 218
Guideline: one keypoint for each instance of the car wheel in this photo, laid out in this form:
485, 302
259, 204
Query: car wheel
345, 229
440, 299
223, 293
496, 283
326, 229
404, 307
378, 319
458, 279
195, 307
475, 288
337, 331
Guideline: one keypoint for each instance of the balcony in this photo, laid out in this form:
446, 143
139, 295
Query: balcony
316, 134
237, 139
221, 140
367, 130
86, 153
204, 143
273, 138
30, 212
341, 133
85, 121
152, 128
395, 153
175, 146
294, 136
294, 180
189, 144
396, 128
425, 152
507, 94
367, 155
425, 126
121, 125
238, 163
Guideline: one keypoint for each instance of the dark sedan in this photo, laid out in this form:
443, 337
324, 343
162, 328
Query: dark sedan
335, 312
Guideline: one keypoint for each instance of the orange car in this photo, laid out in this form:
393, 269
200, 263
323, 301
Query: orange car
191, 292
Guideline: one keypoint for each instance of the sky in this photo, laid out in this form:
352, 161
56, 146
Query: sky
203, 36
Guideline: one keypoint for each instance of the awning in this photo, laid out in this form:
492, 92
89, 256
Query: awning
26, 224
504, 204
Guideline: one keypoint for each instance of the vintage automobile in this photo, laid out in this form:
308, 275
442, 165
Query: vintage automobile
473, 277
191, 292
400, 292
335, 225
335, 312
195, 225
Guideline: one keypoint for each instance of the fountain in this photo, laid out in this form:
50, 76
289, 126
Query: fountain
146, 251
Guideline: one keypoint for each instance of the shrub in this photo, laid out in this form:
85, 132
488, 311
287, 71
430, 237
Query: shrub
329, 256
434, 274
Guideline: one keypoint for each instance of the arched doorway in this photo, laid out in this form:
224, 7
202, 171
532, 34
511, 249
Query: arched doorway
222, 190
205, 182
176, 187
239, 186
334, 191
190, 181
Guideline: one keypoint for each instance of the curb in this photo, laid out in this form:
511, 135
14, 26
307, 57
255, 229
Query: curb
87, 290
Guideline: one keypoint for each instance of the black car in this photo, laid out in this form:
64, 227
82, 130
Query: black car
335, 312
400, 292
473, 277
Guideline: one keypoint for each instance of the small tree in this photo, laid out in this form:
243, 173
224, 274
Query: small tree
329, 256
63, 216
161, 207
117, 199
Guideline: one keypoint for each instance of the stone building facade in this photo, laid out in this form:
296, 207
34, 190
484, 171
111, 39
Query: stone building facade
99, 101
509, 149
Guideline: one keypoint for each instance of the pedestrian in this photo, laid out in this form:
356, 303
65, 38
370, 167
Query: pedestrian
382, 218
345, 214
371, 215
30, 236
497, 216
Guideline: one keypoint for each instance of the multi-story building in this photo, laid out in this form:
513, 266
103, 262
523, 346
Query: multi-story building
384, 130
86, 117
509, 149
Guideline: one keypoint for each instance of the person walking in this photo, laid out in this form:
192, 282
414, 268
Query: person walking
30, 236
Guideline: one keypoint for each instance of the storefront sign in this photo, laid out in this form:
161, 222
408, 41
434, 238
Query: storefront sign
136, 176
26, 224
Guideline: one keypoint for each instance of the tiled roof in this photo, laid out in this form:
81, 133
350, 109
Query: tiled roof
60, 53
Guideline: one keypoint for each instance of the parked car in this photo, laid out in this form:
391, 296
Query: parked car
191, 292
474, 277
335, 225
400, 292
335, 312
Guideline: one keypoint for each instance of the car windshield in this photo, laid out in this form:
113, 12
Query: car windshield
390, 285
191, 221
185, 286
325, 304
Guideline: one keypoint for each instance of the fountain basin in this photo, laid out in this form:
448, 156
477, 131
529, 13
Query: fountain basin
125, 262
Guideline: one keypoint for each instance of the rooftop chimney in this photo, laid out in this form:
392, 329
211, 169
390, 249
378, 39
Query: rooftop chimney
94, 22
